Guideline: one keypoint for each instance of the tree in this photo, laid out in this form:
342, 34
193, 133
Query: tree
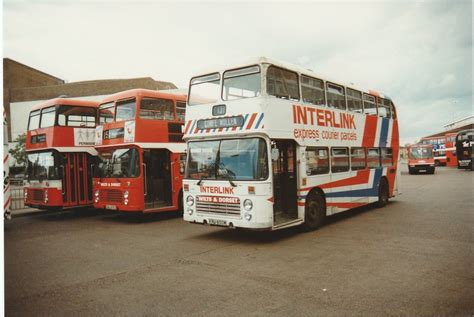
19, 152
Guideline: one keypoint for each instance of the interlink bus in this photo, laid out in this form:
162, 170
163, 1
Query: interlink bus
141, 152
464, 149
60, 154
420, 159
271, 145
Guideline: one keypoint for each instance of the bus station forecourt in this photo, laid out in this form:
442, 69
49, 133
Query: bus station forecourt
325, 160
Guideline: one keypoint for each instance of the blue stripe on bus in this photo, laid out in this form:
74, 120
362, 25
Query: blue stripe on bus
384, 132
192, 127
259, 120
367, 192
245, 119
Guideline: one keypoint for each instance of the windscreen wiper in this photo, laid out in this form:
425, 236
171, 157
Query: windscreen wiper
200, 180
230, 181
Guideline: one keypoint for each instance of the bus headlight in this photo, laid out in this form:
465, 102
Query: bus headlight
248, 204
96, 193
247, 216
125, 194
26, 194
125, 202
190, 200
190, 211
45, 196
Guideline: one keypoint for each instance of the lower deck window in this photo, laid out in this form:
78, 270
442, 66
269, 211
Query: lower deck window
357, 158
373, 157
340, 160
317, 161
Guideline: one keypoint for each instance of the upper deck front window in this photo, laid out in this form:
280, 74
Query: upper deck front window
156, 109
48, 116
241, 83
73, 116
34, 120
125, 110
282, 83
421, 152
106, 112
204, 89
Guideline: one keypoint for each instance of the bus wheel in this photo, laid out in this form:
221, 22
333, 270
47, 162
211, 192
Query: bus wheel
383, 193
411, 171
315, 211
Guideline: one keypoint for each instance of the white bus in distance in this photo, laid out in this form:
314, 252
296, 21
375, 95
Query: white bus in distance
271, 145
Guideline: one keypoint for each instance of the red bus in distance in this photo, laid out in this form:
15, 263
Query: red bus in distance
60, 154
140, 152
420, 158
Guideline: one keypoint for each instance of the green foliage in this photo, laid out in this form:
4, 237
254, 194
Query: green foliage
19, 152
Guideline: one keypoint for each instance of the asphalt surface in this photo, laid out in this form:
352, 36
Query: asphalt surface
414, 257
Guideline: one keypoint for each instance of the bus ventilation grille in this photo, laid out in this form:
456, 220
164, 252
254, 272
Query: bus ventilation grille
112, 195
218, 208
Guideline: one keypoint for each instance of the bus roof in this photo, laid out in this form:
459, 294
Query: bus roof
298, 69
66, 102
143, 93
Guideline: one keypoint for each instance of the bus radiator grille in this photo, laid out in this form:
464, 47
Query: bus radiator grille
112, 195
218, 208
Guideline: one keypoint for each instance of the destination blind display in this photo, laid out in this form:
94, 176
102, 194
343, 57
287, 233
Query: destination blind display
226, 122
113, 133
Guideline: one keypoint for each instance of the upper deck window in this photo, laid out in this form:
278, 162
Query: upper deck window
204, 89
73, 116
48, 116
336, 96
106, 112
369, 105
282, 83
312, 90
383, 106
180, 110
354, 100
125, 110
156, 109
34, 120
241, 83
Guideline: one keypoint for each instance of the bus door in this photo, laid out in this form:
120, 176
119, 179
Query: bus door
284, 181
157, 180
76, 179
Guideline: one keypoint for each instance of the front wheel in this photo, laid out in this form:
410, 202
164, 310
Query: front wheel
383, 193
315, 211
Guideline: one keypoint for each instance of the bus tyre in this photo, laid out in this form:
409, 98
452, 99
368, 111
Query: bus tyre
411, 171
315, 211
383, 193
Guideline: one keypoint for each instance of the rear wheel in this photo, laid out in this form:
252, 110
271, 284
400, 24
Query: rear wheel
315, 211
383, 193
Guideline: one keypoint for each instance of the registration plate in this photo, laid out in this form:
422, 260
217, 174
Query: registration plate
217, 222
111, 207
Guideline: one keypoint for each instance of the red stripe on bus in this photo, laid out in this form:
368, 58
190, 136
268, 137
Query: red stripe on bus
252, 119
7, 203
6, 188
187, 127
362, 177
369, 131
345, 205
5, 159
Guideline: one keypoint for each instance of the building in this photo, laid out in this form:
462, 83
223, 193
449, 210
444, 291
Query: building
25, 86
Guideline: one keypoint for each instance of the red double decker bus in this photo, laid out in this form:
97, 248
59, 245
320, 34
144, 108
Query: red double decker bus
60, 154
140, 152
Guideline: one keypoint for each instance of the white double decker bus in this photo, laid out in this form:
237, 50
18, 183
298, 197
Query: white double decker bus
271, 145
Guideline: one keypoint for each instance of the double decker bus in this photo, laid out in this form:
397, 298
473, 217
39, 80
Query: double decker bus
420, 159
271, 145
439, 148
60, 154
464, 149
140, 151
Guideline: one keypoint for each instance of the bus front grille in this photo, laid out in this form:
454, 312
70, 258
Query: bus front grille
36, 194
112, 195
218, 208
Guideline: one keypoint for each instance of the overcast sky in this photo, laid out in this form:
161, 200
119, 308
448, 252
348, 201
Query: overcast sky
418, 53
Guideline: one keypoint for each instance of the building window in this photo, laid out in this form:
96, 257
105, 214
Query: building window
312, 90
354, 100
339, 160
317, 161
282, 83
357, 158
369, 105
373, 157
